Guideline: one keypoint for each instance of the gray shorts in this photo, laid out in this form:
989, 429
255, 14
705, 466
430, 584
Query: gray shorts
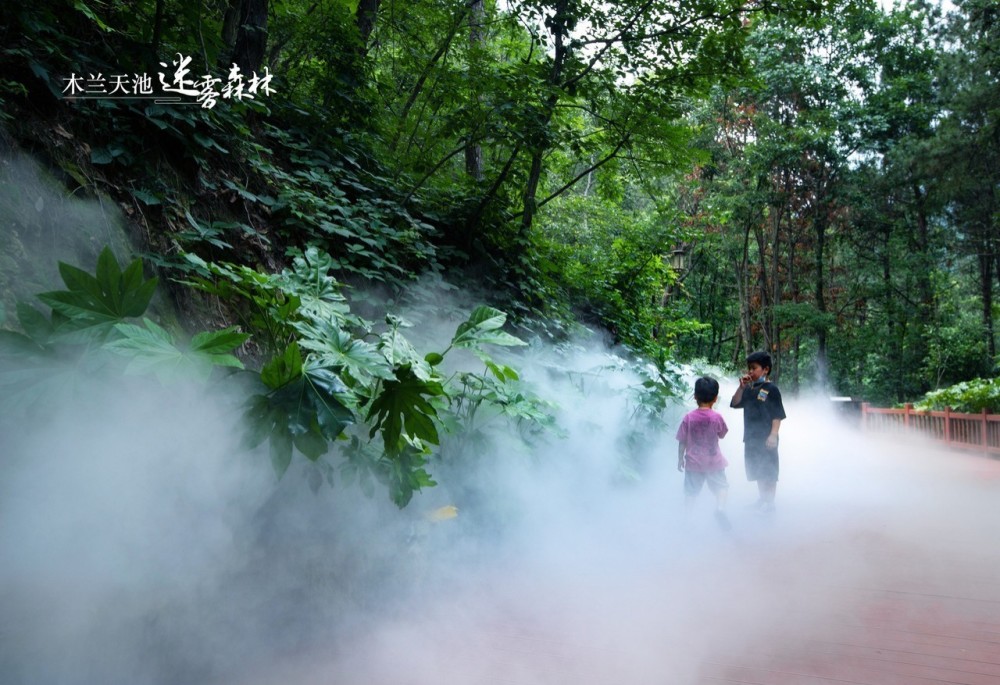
695, 480
761, 462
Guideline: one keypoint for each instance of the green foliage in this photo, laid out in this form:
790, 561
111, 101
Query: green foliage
661, 387
650, 403
402, 404
802, 318
90, 319
484, 328
323, 65
970, 397
152, 349
332, 375
92, 305
835, 190
354, 217
610, 259
302, 409
956, 348
321, 383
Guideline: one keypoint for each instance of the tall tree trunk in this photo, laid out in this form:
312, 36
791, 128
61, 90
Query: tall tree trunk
442, 49
476, 217
991, 255
157, 28
365, 19
251, 36
991, 341
986, 292
924, 287
819, 228
774, 296
895, 334
763, 282
926, 314
230, 27
796, 344
561, 52
531, 190
473, 151
744, 332
791, 277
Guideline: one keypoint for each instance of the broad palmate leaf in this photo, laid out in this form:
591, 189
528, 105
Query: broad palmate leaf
483, 327
92, 305
152, 350
402, 406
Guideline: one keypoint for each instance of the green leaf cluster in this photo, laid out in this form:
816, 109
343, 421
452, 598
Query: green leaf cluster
89, 325
332, 377
970, 397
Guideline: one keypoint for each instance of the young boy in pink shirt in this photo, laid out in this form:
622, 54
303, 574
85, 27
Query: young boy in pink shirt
698, 452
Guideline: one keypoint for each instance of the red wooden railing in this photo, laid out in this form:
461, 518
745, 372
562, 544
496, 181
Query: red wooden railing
967, 431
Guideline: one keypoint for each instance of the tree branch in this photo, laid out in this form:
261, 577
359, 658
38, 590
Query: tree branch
588, 170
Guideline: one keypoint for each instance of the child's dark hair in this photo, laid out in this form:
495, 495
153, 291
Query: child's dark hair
762, 358
706, 389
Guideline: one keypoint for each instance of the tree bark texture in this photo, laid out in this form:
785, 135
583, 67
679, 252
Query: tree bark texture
365, 19
251, 36
473, 151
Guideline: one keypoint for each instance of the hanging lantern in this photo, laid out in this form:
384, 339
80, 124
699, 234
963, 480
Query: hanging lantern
679, 258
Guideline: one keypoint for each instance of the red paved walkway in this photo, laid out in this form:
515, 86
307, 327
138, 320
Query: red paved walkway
881, 567
926, 609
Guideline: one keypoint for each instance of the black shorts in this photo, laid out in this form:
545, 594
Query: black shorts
761, 463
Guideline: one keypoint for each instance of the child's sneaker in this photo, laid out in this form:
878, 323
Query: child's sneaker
723, 520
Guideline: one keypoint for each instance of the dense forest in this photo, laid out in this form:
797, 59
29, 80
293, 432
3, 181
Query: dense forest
820, 179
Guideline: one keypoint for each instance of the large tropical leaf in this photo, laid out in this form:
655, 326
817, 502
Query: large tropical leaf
338, 349
152, 350
399, 352
483, 327
407, 475
402, 405
216, 347
283, 368
304, 411
92, 305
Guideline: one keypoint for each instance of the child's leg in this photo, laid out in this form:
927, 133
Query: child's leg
720, 488
693, 482
719, 485
768, 488
720, 499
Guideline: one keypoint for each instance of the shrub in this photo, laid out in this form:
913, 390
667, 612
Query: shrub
968, 397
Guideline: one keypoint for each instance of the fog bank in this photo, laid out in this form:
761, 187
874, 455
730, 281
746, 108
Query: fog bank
140, 544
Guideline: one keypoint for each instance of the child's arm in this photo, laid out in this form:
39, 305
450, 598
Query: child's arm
738, 395
772, 439
681, 449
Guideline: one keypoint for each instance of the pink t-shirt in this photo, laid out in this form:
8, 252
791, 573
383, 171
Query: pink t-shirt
701, 431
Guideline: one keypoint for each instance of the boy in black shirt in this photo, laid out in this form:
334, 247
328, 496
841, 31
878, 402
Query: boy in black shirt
763, 412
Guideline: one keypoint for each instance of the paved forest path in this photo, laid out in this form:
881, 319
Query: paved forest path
880, 567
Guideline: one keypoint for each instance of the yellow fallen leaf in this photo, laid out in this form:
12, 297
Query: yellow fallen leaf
448, 511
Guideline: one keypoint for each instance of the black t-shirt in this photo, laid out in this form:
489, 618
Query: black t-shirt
761, 404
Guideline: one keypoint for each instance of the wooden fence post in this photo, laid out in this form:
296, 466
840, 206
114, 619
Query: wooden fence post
864, 416
986, 429
947, 426
907, 408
